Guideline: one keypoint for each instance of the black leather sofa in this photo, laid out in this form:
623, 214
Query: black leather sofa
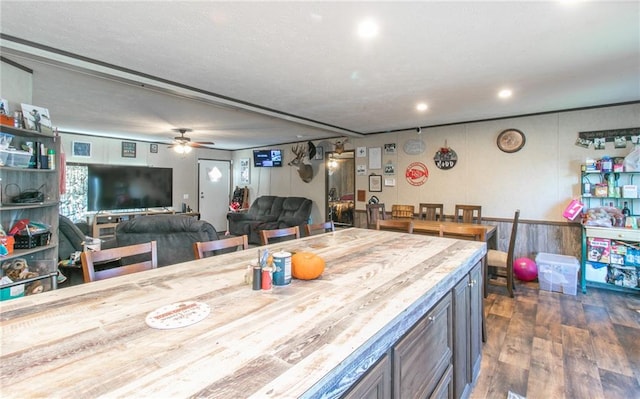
174, 234
270, 212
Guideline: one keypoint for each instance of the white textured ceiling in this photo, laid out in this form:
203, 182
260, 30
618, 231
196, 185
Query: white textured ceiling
140, 69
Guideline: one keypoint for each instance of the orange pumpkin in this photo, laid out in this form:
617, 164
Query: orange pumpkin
306, 265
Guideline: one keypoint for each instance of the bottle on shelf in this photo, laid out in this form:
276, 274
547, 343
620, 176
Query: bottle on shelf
625, 209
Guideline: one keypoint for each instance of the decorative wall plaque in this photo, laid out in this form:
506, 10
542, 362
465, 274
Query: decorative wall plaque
414, 147
417, 173
445, 158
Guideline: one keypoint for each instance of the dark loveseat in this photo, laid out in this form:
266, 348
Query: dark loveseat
174, 234
270, 212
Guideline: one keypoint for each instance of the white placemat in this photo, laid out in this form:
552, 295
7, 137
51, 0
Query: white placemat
177, 315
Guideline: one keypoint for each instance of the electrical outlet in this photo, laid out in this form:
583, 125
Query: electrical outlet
185, 196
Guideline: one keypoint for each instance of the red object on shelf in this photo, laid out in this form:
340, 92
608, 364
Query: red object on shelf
19, 226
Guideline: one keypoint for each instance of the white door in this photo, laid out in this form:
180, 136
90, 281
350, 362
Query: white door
214, 187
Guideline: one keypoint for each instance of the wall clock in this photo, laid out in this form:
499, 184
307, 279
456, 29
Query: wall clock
511, 140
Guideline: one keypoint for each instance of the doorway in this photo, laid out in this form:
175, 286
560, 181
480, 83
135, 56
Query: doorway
340, 170
214, 187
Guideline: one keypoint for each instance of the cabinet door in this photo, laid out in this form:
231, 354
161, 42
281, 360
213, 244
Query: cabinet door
476, 318
375, 384
461, 338
422, 357
444, 390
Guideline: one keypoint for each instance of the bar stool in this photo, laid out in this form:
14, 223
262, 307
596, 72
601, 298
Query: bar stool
468, 214
431, 211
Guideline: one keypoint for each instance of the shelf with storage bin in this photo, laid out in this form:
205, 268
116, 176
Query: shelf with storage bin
14, 181
621, 180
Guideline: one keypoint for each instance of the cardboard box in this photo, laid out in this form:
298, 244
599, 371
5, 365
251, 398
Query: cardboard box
618, 253
629, 191
601, 190
632, 258
598, 249
558, 273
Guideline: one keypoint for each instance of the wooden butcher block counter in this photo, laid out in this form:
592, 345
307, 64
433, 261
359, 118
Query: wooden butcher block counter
307, 339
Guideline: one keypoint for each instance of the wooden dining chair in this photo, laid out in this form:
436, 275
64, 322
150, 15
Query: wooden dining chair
402, 211
468, 214
265, 235
202, 248
374, 213
132, 259
500, 263
463, 232
405, 225
325, 227
429, 211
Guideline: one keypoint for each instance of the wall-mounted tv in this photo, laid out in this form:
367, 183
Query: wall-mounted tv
128, 187
267, 158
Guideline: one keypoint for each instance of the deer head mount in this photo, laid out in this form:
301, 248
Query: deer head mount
302, 163
339, 146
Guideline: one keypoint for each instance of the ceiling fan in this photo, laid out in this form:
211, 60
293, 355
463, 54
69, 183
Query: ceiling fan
183, 144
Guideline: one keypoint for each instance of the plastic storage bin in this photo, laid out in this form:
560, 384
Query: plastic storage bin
558, 273
15, 158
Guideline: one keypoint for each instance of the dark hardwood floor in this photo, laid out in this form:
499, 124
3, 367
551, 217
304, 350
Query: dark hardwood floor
549, 345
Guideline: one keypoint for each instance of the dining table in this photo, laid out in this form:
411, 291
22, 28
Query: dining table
433, 227
307, 339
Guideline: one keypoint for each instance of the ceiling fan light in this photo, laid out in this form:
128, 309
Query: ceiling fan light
182, 149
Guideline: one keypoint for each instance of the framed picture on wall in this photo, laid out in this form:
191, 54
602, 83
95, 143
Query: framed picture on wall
81, 149
375, 183
128, 149
245, 171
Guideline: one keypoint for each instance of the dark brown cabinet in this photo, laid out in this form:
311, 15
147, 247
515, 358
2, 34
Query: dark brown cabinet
439, 357
467, 324
375, 384
422, 358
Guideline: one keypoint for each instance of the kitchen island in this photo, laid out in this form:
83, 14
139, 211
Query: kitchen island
319, 338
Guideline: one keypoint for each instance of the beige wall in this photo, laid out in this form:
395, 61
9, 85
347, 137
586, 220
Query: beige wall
539, 180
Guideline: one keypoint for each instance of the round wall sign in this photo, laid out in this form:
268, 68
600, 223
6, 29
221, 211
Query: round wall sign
417, 173
445, 158
414, 147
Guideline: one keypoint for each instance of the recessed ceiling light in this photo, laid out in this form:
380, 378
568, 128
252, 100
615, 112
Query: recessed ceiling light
422, 107
368, 29
506, 93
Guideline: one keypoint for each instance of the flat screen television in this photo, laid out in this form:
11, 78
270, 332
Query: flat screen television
267, 158
128, 187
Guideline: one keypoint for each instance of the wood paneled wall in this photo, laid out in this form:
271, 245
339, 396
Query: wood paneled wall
533, 236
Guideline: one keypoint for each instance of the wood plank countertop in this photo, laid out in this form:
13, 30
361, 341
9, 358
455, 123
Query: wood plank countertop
306, 339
